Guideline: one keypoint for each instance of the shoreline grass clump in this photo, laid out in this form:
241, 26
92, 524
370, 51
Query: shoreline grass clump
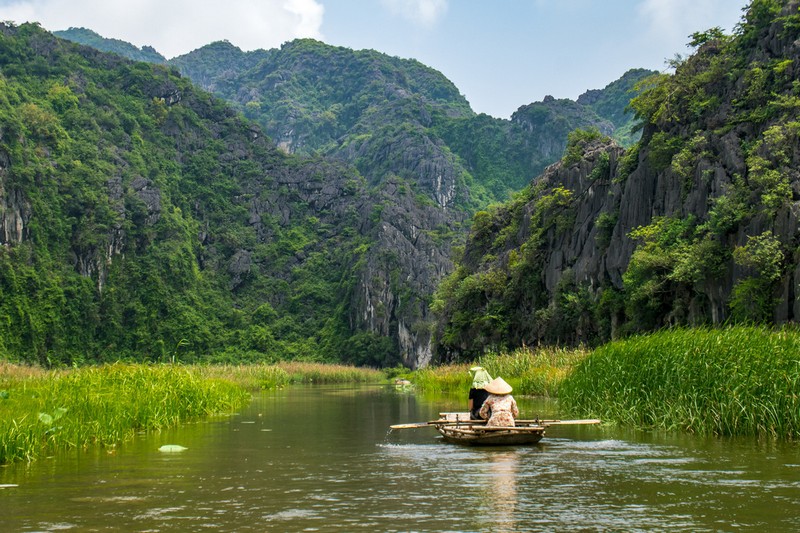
269, 376
732, 381
531, 371
45, 411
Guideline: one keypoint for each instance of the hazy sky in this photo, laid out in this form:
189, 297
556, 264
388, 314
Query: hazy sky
501, 54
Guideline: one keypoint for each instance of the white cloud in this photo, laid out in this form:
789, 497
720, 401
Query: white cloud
179, 26
421, 12
672, 20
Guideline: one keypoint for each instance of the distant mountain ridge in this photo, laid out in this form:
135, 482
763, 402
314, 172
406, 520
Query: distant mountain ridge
116, 46
384, 114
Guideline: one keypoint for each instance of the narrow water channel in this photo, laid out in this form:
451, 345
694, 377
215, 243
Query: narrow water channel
322, 459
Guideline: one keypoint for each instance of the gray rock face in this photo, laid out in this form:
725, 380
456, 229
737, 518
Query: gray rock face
410, 255
729, 173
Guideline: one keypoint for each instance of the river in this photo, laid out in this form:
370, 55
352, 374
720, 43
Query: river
321, 458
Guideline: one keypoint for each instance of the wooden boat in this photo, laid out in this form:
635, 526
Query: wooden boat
481, 434
459, 429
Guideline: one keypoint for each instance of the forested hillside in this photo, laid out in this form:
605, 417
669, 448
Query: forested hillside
328, 266
390, 116
143, 218
696, 224
395, 117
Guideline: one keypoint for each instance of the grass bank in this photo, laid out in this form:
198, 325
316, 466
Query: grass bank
733, 381
44, 411
263, 376
531, 371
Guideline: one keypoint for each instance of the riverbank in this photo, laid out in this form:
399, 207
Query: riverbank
732, 381
263, 376
530, 371
43, 411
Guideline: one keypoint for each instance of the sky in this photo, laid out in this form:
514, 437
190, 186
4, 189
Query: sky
500, 54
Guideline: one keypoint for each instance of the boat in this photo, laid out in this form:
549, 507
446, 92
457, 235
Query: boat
477, 434
459, 429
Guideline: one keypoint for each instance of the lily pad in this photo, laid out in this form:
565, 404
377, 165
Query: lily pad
172, 448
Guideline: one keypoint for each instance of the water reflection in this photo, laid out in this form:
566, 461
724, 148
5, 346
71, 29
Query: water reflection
502, 490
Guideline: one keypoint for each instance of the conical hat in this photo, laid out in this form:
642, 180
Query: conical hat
480, 377
498, 386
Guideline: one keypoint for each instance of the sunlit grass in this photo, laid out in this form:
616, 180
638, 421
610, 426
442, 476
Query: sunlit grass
44, 411
734, 381
264, 376
530, 371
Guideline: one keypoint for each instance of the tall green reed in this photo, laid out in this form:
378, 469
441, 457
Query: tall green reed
530, 371
104, 405
732, 381
270, 376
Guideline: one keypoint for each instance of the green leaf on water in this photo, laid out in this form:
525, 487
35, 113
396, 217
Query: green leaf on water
171, 448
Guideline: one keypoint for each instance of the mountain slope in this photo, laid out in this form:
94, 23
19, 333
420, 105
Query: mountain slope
696, 224
385, 114
142, 218
116, 46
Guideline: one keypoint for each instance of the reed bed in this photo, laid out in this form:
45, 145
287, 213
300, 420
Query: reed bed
44, 411
263, 376
531, 371
733, 381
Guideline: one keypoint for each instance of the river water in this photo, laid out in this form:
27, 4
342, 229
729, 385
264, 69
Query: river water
321, 458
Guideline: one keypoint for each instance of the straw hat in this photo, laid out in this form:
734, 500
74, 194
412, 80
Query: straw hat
498, 386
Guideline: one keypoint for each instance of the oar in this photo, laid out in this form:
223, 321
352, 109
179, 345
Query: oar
570, 422
480, 422
410, 426
437, 423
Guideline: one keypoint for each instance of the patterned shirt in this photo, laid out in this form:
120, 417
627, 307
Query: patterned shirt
503, 409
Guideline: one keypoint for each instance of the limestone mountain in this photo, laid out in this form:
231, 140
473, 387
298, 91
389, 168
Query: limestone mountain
396, 117
331, 250
142, 218
696, 224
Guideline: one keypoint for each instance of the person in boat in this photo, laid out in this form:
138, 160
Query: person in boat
500, 408
477, 392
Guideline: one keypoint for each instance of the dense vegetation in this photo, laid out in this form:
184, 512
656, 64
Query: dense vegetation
733, 381
361, 105
142, 219
46, 411
695, 224
534, 372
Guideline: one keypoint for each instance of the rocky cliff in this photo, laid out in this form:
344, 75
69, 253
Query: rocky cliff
696, 224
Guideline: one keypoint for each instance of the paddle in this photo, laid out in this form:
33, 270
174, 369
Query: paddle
410, 426
479, 422
570, 422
